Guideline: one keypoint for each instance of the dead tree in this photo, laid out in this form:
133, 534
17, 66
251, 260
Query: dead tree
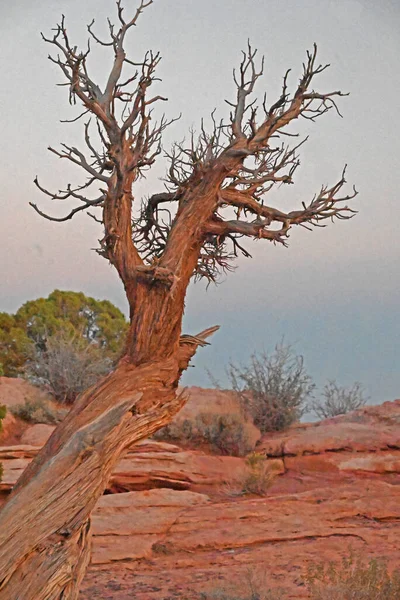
215, 198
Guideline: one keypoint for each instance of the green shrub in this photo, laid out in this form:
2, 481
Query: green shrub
69, 314
15, 345
38, 411
353, 579
256, 479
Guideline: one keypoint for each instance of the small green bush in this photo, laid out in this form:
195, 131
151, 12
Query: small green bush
353, 579
38, 411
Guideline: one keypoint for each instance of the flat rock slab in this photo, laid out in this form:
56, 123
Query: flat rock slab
150, 465
168, 544
184, 469
380, 462
128, 526
368, 429
37, 435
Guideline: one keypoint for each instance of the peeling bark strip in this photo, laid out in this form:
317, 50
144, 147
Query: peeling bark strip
179, 233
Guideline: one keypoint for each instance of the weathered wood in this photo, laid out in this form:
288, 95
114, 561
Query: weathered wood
45, 543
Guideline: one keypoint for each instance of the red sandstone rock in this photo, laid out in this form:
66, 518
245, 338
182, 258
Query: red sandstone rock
11, 429
335, 462
151, 465
14, 459
127, 526
37, 435
340, 488
15, 391
193, 545
369, 429
180, 470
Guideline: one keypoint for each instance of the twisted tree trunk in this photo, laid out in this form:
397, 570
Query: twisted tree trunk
45, 542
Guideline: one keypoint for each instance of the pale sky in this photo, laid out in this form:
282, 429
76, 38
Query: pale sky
335, 292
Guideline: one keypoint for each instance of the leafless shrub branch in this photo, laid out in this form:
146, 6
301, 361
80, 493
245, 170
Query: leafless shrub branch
273, 388
337, 400
67, 366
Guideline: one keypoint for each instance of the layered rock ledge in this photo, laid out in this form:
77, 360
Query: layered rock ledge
172, 524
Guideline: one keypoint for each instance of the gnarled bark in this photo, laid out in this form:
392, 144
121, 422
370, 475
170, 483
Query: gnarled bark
45, 544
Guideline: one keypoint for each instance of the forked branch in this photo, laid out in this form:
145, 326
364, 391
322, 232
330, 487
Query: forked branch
127, 136
231, 170
216, 183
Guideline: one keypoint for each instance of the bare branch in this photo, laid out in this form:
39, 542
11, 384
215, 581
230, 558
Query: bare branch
257, 229
69, 216
85, 112
235, 165
245, 86
96, 39
81, 161
328, 204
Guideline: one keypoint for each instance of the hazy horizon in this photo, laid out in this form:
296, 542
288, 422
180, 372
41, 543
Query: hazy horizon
334, 293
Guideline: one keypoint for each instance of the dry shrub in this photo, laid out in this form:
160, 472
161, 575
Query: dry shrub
162, 549
3, 412
67, 367
337, 400
38, 411
259, 477
225, 433
177, 431
273, 388
253, 586
223, 595
353, 579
